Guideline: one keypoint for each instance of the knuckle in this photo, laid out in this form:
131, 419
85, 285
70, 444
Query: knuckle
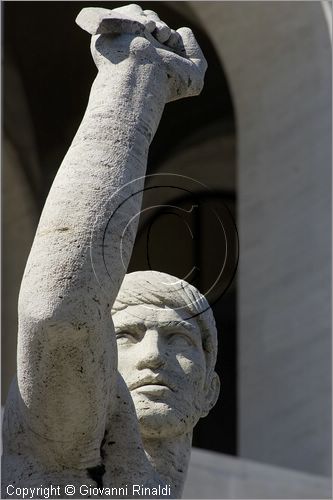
152, 14
184, 32
140, 44
134, 7
149, 24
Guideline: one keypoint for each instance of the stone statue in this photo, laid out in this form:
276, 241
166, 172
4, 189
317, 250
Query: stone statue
70, 420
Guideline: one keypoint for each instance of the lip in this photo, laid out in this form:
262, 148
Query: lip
150, 384
154, 389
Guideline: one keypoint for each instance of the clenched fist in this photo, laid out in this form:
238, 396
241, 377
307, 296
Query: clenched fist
130, 32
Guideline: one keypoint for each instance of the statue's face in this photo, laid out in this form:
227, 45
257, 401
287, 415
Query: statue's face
161, 359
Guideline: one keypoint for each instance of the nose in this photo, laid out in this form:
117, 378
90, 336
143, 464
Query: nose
150, 353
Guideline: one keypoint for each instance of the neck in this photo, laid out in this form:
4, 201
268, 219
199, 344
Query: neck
170, 457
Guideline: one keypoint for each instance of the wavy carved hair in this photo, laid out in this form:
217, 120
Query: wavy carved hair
161, 289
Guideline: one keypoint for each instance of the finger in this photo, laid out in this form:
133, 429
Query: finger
174, 40
132, 10
149, 24
190, 48
162, 32
152, 15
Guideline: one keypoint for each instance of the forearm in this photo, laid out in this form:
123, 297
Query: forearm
108, 152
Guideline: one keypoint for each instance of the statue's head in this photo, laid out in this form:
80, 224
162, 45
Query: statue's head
167, 347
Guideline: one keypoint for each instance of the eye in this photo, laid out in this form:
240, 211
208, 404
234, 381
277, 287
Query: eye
126, 338
178, 339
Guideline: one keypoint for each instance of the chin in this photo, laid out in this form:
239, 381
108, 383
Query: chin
159, 420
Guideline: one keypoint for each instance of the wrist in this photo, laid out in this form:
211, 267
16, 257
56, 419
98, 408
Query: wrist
131, 71
135, 89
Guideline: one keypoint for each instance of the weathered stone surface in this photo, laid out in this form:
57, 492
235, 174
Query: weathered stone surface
99, 21
70, 417
167, 346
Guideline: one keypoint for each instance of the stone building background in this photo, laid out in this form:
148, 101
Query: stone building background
260, 138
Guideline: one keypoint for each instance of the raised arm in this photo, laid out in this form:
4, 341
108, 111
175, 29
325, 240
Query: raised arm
67, 358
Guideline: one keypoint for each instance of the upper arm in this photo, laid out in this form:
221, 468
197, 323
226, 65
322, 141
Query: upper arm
66, 378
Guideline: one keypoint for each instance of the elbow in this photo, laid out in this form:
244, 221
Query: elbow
71, 316
40, 309
41, 314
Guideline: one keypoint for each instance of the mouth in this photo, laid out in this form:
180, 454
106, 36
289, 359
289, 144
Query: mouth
153, 390
150, 384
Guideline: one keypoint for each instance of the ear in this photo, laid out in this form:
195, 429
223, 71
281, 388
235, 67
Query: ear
212, 393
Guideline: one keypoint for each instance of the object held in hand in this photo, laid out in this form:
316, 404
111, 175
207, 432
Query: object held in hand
99, 21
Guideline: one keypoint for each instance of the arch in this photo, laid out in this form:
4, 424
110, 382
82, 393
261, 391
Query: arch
277, 57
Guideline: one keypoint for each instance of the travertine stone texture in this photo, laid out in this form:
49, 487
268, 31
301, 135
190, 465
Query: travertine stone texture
167, 346
70, 418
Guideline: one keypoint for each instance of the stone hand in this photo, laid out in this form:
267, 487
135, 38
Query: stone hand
144, 35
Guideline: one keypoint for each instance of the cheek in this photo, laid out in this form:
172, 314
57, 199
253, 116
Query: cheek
125, 361
193, 384
193, 366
